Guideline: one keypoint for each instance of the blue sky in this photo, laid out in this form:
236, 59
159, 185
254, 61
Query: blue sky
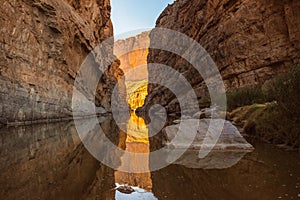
129, 15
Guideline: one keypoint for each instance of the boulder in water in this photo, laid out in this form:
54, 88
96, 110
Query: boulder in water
223, 150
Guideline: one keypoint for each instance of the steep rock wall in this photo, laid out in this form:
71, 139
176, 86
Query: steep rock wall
250, 41
133, 59
134, 65
43, 44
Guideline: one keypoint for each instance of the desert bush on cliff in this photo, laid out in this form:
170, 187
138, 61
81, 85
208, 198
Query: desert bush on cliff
245, 96
286, 91
274, 125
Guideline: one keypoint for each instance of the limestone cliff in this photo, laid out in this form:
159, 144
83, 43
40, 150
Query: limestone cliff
134, 65
42, 44
250, 41
133, 59
136, 94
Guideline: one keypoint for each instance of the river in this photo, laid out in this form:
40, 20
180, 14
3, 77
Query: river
48, 161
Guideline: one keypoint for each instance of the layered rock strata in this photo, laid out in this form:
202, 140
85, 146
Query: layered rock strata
132, 53
43, 44
136, 57
250, 42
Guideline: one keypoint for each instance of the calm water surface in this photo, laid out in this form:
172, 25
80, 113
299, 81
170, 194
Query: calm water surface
49, 162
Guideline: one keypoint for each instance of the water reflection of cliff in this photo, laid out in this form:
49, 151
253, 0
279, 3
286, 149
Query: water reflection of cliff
136, 141
259, 175
48, 161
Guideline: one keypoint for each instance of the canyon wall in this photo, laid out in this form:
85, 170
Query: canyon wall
133, 59
134, 65
136, 94
43, 44
250, 42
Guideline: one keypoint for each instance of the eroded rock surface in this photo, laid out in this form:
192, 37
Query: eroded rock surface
132, 53
137, 48
229, 139
43, 44
250, 42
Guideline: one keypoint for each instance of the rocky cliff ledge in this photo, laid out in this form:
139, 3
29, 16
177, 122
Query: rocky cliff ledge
250, 41
43, 43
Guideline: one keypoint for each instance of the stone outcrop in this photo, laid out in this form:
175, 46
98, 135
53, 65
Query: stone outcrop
137, 98
43, 44
250, 41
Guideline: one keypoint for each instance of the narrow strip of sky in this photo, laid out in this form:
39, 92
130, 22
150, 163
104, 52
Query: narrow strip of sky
130, 15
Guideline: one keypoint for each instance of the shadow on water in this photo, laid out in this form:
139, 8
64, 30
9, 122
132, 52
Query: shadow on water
49, 162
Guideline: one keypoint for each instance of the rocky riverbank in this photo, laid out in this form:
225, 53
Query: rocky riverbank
268, 123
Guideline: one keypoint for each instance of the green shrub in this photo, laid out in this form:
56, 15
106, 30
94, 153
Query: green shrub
273, 125
286, 91
245, 96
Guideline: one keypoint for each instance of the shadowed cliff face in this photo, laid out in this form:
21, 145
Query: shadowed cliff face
250, 41
43, 44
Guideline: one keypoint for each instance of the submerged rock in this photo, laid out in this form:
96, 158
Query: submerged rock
214, 160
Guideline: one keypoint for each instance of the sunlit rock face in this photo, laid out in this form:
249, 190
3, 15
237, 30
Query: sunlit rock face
134, 65
134, 58
250, 41
43, 44
136, 141
136, 93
